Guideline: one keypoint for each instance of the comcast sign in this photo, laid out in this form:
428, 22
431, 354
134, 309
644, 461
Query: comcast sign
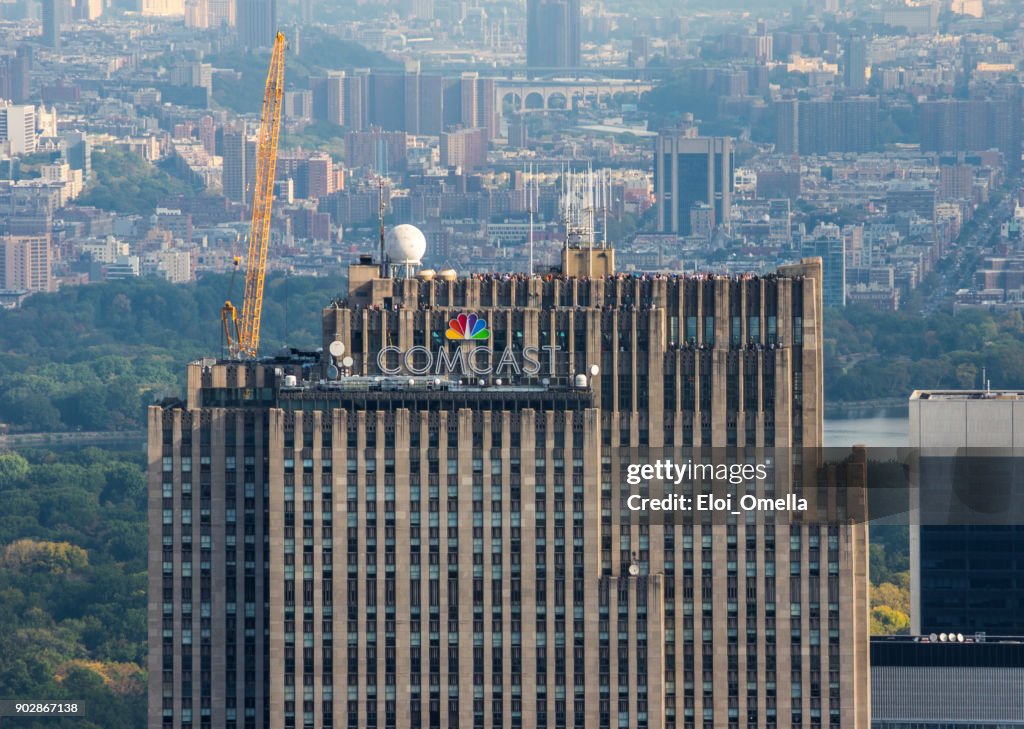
479, 360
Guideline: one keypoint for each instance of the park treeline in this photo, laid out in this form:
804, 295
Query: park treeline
871, 355
73, 585
93, 357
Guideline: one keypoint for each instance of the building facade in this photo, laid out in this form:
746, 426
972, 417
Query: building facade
53, 19
256, 22
855, 64
965, 572
934, 682
238, 165
26, 263
17, 129
975, 125
488, 571
690, 170
465, 149
553, 34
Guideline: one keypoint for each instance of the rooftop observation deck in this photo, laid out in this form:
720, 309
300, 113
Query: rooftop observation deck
394, 393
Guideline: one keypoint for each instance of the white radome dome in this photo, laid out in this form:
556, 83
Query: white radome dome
405, 244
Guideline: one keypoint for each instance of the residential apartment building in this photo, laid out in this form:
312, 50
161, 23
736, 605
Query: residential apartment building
26, 263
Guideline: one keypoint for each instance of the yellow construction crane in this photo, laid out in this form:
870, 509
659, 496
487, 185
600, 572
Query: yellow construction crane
243, 335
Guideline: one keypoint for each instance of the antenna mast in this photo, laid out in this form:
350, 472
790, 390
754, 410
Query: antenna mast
380, 217
590, 220
529, 193
606, 195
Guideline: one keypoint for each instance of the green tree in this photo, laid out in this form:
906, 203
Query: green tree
72, 584
126, 183
13, 469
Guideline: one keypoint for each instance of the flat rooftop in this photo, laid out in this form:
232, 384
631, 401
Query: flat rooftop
975, 651
967, 395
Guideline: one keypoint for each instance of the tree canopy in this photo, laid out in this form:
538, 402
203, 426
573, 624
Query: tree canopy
93, 357
126, 183
73, 584
872, 355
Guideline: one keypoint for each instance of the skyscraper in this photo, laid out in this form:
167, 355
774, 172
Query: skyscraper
18, 73
828, 243
235, 174
17, 128
691, 170
855, 64
488, 571
553, 37
53, 18
257, 22
787, 126
965, 573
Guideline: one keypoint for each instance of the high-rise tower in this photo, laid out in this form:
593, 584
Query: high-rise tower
257, 22
239, 164
553, 38
688, 171
53, 17
425, 524
855, 64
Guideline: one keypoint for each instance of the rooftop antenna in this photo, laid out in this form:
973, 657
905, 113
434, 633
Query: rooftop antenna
590, 220
380, 217
529, 193
566, 185
606, 195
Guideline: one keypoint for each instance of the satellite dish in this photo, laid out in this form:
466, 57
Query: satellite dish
337, 348
594, 370
347, 362
634, 569
332, 372
933, 637
942, 637
959, 637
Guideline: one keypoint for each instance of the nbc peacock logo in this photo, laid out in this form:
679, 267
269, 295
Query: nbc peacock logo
468, 326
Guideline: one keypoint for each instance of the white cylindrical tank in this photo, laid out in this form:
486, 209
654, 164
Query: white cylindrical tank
581, 380
290, 381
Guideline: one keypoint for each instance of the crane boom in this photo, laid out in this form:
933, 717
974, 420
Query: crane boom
248, 339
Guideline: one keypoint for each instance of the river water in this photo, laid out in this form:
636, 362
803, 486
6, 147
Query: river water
884, 429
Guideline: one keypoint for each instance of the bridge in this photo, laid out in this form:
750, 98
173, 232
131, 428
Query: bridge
540, 95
